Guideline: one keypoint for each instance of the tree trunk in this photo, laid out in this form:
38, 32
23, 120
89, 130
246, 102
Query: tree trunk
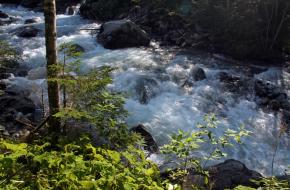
51, 56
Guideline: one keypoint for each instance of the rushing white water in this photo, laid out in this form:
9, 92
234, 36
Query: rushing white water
173, 107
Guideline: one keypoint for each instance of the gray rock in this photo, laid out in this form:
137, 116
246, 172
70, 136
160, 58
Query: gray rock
231, 174
3, 15
32, 21
150, 143
27, 32
122, 34
146, 88
197, 74
6, 75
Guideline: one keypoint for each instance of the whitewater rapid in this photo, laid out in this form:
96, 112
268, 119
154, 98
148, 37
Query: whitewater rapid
173, 107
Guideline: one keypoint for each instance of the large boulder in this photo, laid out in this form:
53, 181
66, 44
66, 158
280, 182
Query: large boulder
150, 143
226, 175
3, 15
32, 20
197, 74
231, 174
122, 34
234, 83
27, 32
271, 95
13, 104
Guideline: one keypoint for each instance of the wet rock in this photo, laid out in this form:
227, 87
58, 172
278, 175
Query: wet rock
271, 95
146, 88
3, 15
274, 105
122, 34
71, 10
27, 32
32, 21
6, 75
234, 84
231, 174
3, 86
11, 103
150, 142
197, 74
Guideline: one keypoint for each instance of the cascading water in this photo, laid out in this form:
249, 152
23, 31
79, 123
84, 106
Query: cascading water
171, 106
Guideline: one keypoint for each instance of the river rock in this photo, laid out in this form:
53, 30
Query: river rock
122, 34
16, 102
71, 10
11, 105
6, 75
27, 32
150, 143
233, 83
146, 88
271, 95
197, 74
231, 174
3, 15
32, 20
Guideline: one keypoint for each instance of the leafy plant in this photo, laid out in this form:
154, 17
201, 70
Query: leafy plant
184, 147
74, 165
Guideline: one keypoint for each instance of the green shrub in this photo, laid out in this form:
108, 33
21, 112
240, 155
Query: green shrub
74, 166
185, 147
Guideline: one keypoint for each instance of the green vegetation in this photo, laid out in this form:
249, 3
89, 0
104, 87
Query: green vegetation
74, 165
119, 163
86, 98
246, 28
186, 146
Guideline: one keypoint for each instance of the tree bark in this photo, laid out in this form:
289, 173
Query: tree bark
51, 56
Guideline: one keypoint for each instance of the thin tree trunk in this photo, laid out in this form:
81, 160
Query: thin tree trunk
51, 56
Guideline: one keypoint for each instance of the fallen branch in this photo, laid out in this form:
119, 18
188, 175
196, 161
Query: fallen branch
23, 122
29, 137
